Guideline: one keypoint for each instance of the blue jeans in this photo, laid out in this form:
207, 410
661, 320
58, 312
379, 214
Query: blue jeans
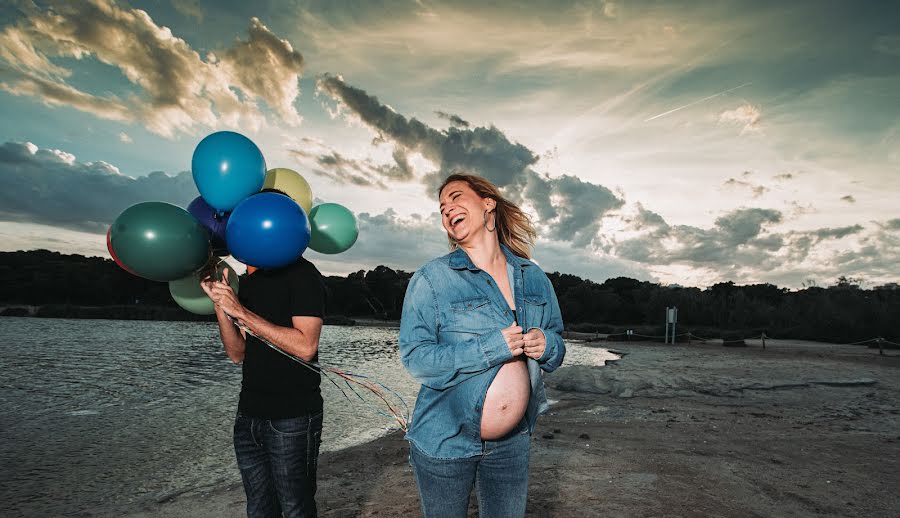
277, 459
499, 475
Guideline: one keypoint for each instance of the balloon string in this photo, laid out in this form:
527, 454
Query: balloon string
401, 416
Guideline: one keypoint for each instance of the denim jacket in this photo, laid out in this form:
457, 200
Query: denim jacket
450, 341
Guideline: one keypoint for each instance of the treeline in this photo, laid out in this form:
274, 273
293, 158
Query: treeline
78, 286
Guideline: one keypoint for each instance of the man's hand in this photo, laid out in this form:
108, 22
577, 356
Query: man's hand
223, 296
514, 339
534, 343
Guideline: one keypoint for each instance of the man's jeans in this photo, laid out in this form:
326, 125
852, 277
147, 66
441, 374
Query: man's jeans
499, 474
277, 459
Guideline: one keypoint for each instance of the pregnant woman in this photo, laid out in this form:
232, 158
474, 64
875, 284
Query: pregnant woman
479, 326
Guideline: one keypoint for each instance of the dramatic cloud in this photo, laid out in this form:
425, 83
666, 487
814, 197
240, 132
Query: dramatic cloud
567, 208
324, 161
175, 89
267, 67
734, 235
51, 187
743, 246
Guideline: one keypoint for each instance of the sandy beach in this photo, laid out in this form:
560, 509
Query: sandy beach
798, 429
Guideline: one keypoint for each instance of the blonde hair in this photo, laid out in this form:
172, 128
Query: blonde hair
513, 226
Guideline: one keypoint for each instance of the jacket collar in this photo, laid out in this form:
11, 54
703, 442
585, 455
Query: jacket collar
459, 259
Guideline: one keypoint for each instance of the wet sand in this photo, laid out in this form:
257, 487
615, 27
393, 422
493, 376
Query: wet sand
798, 429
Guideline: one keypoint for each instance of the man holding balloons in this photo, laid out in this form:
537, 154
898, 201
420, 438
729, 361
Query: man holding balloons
278, 428
264, 219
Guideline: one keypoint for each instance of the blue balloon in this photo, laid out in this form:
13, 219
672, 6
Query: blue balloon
267, 230
213, 222
227, 167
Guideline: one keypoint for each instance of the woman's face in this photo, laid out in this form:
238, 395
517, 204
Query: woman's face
462, 210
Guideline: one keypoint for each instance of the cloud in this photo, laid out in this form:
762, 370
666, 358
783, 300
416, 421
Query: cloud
50, 186
734, 238
455, 120
743, 245
567, 208
745, 115
327, 162
837, 233
757, 190
174, 89
125, 138
647, 219
555, 256
267, 67
848, 198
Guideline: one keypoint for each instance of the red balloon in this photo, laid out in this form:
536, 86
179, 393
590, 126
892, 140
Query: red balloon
112, 253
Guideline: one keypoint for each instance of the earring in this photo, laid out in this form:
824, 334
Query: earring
485, 222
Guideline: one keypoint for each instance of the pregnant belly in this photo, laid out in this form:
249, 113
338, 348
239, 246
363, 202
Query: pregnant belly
506, 400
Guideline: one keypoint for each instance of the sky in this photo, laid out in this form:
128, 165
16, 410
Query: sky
683, 143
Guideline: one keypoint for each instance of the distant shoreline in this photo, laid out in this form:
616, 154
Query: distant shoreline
574, 330
150, 312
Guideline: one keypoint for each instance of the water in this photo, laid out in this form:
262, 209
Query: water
105, 414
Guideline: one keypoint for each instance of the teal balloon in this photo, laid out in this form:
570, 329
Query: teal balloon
159, 241
188, 294
333, 228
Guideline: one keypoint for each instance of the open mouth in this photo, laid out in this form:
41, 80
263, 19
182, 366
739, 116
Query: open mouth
457, 219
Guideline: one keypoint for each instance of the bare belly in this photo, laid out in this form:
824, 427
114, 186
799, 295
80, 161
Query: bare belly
506, 400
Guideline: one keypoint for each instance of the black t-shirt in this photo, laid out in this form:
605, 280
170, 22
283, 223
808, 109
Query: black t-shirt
275, 386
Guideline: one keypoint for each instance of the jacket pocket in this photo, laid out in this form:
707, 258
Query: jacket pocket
473, 315
534, 312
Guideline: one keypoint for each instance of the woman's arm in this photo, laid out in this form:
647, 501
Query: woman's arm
440, 366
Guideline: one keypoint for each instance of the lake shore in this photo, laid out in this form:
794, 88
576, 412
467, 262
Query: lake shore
797, 429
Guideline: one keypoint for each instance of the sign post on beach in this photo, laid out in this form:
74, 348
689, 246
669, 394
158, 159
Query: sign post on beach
671, 318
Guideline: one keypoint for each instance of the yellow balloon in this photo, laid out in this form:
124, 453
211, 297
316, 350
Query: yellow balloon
290, 183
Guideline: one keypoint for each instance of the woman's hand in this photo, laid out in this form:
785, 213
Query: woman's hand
223, 296
514, 339
534, 343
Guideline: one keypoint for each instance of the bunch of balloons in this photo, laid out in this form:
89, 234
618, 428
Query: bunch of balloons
262, 218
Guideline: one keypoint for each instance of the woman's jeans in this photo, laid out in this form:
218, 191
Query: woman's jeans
277, 459
499, 474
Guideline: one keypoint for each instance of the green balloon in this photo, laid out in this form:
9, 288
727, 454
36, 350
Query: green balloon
188, 294
159, 241
333, 228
